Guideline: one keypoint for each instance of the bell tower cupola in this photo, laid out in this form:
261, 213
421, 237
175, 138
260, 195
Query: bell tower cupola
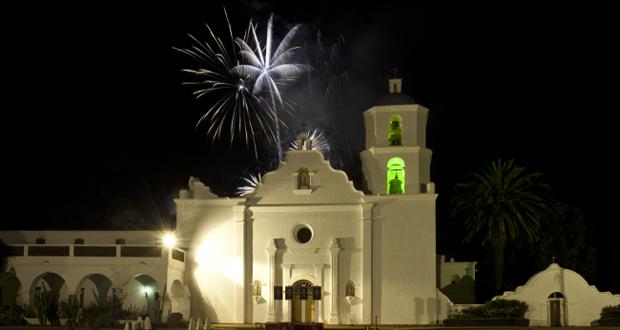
396, 160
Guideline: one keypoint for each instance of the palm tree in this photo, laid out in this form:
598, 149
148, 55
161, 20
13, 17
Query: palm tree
501, 202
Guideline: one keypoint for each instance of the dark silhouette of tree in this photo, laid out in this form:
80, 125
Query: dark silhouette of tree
565, 238
501, 202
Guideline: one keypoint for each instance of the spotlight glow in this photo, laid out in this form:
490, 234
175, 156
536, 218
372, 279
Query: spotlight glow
169, 240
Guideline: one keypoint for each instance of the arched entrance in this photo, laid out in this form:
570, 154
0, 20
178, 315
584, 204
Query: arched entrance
93, 288
307, 314
555, 308
51, 282
142, 293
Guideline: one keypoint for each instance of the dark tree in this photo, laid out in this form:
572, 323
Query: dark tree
501, 202
565, 238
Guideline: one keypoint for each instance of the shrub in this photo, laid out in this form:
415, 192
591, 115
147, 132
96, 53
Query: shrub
28, 311
46, 306
69, 309
500, 308
471, 312
506, 308
610, 312
104, 312
12, 315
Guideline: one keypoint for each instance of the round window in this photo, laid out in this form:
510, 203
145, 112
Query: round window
302, 233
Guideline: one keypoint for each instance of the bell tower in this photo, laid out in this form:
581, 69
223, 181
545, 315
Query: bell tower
396, 160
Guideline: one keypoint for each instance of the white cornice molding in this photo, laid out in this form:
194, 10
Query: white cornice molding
219, 201
304, 207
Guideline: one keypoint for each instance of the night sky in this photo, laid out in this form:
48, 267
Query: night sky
98, 128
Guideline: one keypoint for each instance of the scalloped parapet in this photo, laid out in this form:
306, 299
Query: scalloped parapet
198, 190
325, 185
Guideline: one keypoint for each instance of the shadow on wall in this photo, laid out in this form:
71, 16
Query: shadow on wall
198, 303
461, 291
430, 312
419, 309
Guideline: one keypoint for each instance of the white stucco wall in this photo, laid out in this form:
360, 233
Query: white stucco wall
329, 186
582, 302
404, 254
310, 261
216, 268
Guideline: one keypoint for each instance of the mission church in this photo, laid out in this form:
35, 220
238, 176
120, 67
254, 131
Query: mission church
307, 246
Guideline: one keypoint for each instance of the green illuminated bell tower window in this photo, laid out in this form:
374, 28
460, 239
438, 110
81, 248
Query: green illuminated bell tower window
395, 131
395, 176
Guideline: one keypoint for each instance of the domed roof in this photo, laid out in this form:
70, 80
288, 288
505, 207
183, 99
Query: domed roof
395, 99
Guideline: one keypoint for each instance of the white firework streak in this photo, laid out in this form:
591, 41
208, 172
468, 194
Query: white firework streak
252, 182
269, 70
318, 140
237, 109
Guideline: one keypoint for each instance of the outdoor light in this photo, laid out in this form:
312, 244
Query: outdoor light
169, 240
146, 290
350, 292
256, 291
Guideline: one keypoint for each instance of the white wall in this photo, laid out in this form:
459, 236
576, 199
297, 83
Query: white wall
215, 269
332, 209
312, 260
404, 261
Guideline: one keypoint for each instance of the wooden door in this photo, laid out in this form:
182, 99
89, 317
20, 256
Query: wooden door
555, 317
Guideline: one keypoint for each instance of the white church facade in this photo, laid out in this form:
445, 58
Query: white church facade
304, 246
355, 257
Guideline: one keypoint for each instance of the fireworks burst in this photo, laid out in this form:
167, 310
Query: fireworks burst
252, 182
317, 139
237, 110
269, 70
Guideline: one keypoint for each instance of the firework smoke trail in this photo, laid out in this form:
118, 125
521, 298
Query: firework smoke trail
237, 110
318, 140
329, 73
268, 70
252, 182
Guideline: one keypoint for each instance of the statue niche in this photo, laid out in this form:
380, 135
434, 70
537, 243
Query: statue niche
303, 178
